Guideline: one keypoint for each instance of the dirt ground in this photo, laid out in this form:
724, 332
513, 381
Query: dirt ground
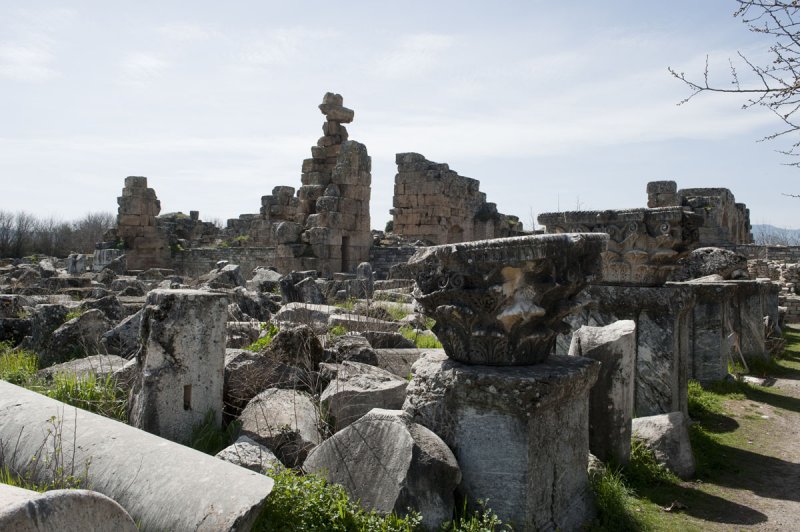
758, 488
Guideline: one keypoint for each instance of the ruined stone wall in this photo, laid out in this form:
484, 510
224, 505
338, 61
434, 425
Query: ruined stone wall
146, 245
435, 204
724, 220
384, 257
778, 253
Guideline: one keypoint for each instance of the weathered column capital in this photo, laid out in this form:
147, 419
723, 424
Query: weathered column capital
501, 302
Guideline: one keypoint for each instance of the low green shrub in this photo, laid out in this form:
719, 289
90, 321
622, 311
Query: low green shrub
337, 330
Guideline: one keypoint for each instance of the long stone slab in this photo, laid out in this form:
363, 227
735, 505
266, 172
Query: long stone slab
162, 485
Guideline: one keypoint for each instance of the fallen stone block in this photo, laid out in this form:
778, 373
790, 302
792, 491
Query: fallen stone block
76, 338
391, 464
358, 388
285, 421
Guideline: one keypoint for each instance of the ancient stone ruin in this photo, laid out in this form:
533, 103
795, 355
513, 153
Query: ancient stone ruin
491, 365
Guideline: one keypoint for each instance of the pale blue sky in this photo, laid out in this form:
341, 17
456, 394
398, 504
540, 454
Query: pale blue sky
549, 104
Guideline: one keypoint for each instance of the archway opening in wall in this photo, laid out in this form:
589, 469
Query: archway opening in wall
455, 234
346, 254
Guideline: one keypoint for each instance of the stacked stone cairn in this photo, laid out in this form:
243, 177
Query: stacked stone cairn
515, 417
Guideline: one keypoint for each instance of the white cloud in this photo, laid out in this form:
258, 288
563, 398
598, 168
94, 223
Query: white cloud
186, 32
278, 47
140, 68
26, 62
28, 52
415, 55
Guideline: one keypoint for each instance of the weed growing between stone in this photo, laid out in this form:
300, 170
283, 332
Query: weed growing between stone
308, 502
209, 439
51, 467
614, 501
264, 341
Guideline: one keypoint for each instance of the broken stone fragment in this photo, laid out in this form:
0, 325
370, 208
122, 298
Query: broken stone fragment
333, 109
249, 454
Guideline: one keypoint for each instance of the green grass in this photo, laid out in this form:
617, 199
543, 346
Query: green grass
348, 304
95, 394
614, 501
100, 395
397, 313
17, 366
421, 340
72, 314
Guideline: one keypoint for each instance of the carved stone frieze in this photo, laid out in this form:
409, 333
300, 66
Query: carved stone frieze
644, 244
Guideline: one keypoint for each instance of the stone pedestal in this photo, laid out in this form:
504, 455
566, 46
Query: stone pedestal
181, 362
517, 423
519, 433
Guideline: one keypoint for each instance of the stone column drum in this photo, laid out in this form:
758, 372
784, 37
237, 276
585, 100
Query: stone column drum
516, 420
182, 362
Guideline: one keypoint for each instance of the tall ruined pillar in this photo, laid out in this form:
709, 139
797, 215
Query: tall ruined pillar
145, 245
515, 417
335, 194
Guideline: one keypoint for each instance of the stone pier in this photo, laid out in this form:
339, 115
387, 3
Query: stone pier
181, 362
611, 398
663, 318
713, 322
515, 418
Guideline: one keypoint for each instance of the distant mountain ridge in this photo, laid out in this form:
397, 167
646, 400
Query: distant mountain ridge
765, 234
